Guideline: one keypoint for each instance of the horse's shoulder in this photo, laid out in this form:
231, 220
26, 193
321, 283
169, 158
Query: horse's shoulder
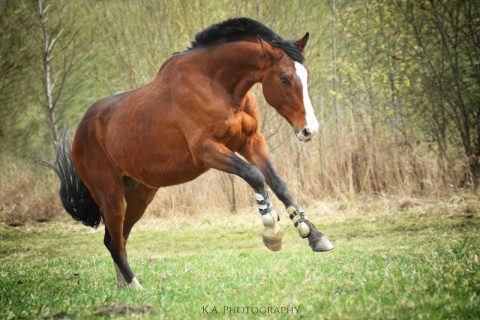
250, 115
251, 106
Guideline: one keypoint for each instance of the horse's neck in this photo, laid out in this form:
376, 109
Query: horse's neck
237, 66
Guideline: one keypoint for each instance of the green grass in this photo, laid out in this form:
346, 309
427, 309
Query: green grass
417, 263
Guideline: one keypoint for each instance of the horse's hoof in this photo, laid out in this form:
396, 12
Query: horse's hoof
272, 245
272, 241
321, 244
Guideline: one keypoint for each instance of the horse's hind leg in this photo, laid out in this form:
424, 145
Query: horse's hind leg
121, 283
114, 215
106, 187
137, 197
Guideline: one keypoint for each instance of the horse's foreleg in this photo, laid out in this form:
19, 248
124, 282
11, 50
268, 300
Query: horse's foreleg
257, 154
317, 240
217, 156
272, 234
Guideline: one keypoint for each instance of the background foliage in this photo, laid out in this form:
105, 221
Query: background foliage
395, 84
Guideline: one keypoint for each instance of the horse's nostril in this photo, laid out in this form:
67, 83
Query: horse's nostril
306, 133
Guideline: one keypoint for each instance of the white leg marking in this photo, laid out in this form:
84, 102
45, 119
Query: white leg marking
312, 122
121, 283
135, 284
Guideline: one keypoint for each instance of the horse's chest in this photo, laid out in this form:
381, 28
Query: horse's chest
239, 129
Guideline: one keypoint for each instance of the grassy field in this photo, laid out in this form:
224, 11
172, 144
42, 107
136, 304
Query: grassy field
394, 259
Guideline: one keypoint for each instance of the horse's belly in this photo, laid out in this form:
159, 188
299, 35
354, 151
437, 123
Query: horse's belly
168, 172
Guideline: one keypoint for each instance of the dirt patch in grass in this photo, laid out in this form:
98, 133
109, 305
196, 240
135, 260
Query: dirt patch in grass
410, 228
61, 315
125, 309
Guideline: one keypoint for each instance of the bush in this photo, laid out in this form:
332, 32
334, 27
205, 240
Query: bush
27, 190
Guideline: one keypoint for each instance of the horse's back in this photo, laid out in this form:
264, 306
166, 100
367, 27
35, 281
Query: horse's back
139, 136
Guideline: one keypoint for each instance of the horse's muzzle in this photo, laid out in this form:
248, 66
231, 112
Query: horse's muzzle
305, 135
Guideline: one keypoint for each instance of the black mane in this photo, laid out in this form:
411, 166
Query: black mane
236, 28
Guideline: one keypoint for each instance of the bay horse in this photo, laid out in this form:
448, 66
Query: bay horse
195, 115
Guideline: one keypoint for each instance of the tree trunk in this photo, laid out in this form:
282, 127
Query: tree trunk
47, 69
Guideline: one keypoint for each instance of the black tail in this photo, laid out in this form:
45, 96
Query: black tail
75, 196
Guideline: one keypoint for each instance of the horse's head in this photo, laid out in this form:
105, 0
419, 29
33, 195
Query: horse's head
285, 88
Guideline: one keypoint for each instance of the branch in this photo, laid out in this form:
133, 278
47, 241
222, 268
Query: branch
52, 43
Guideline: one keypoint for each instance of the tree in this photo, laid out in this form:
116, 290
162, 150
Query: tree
446, 41
43, 52
13, 60
58, 51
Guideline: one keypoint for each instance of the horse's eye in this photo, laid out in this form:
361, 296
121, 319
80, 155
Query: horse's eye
285, 80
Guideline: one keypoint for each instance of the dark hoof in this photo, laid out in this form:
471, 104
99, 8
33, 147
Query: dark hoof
320, 243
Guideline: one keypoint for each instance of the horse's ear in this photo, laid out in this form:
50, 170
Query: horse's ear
268, 50
302, 43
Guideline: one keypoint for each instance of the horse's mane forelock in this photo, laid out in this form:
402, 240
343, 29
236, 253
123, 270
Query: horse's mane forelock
233, 29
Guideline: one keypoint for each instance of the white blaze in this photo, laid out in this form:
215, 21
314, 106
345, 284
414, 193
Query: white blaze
312, 122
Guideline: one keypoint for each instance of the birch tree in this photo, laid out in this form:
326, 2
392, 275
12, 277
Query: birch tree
57, 51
